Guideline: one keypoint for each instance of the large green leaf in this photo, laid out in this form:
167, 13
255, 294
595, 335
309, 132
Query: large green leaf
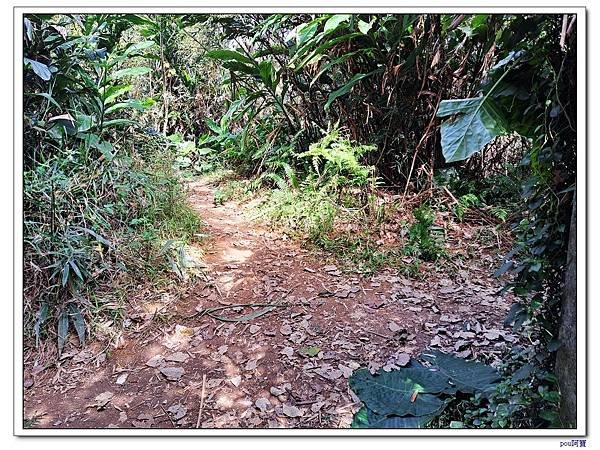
375, 420
335, 21
306, 31
475, 124
365, 418
468, 376
268, 74
236, 66
365, 27
392, 393
431, 381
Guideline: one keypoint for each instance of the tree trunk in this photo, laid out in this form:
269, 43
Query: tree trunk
566, 357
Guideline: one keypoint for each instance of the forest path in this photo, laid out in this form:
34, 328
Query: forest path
284, 367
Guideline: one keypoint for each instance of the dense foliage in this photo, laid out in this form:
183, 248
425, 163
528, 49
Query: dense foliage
95, 192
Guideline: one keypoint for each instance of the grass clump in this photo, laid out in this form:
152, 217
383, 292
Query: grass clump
334, 179
91, 223
361, 252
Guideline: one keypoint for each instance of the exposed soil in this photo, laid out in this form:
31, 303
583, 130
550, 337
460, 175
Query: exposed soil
288, 367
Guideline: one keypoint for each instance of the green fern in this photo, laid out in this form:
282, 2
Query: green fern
335, 156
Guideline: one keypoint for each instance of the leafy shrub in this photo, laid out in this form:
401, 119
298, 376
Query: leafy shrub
307, 211
311, 206
94, 206
413, 396
424, 239
100, 219
464, 203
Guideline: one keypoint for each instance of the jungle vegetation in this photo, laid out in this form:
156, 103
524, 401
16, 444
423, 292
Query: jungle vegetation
319, 113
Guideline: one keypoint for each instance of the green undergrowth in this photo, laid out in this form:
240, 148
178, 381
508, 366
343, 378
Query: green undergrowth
336, 207
318, 217
361, 253
93, 224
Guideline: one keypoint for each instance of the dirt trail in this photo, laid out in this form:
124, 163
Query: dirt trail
286, 368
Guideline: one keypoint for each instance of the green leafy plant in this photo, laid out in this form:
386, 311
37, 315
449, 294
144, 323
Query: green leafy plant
412, 396
424, 239
361, 254
464, 203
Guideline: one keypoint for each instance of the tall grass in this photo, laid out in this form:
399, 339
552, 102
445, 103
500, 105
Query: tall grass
92, 224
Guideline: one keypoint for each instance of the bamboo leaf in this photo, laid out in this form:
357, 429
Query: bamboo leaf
96, 235
62, 330
41, 318
76, 269
78, 322
65, 274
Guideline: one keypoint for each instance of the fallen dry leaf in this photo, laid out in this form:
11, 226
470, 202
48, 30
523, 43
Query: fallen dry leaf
291, 411
287, 351
155, 361
276, 391
122, 378
179, 357
286, 330
172, 373
236, 380
262, 404
394, 327
103, 399
178, 411
402, 359
250, 365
